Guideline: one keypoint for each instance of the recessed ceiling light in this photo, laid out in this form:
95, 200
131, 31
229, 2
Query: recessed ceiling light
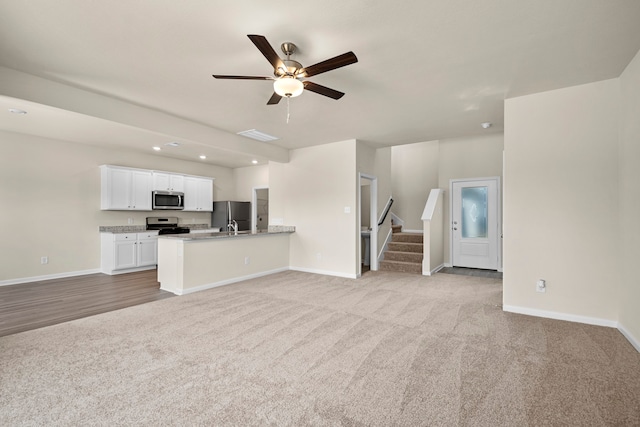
17, 111
255, 162
172, 144
485, 125
203, 157
257, 135
156, 148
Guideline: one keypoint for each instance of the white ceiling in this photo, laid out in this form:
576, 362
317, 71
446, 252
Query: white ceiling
428, 69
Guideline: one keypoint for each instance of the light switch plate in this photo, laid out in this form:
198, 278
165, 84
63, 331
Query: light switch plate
347, 209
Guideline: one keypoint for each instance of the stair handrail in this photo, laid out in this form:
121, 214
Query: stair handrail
387, 208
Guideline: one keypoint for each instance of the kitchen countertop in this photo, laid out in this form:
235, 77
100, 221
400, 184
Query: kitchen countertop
225, 235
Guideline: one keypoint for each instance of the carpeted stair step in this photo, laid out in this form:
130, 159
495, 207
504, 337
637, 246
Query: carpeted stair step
403, 256
408, 237
396, 228
405, 267
406, 247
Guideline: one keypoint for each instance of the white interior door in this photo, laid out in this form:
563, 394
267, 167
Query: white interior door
475, 223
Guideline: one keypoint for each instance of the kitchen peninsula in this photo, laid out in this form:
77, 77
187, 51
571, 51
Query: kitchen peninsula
193, 262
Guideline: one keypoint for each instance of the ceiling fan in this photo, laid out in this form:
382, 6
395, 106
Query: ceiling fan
288, 74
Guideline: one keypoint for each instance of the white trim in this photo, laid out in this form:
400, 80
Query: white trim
448, 264
396, 219
225, 282
386, 245
50, 276
373, 220
432, 272
560, 316
130, 270
413, 231
634, 342
499, 229
432, 202
254, 207
324, 272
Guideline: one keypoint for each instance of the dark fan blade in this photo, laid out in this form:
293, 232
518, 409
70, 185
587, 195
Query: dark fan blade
263, 46
330, 64
219, 76
275, 98
323, 90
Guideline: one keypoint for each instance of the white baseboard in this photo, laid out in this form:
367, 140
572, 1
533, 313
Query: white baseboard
396, 219
634, 342
47, 277
130, 270
385, 246
324, 272
575, 318
433, 271
448, 264
561, 316
224, 282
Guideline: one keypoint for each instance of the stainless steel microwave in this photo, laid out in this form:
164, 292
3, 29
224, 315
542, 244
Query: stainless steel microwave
167, 200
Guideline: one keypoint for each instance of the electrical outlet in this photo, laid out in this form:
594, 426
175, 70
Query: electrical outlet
247, 260
541, 285
319, 256
130, 221
44, 260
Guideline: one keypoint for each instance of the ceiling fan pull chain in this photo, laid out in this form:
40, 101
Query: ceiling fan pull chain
288, 114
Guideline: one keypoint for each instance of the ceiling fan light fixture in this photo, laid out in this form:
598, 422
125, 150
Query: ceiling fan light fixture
288, 86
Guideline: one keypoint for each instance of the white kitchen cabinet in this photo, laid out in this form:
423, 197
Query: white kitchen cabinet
126, 252
163, 181
198, 194
147, 250
125, 188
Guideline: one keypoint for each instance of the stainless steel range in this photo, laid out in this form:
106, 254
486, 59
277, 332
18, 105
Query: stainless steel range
165, 225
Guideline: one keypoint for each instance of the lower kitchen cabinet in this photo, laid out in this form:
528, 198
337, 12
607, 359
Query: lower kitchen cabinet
127, 252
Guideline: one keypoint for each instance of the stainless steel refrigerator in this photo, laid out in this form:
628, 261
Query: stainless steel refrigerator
225, 213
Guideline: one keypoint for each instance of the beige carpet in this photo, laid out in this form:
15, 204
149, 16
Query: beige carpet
296, 349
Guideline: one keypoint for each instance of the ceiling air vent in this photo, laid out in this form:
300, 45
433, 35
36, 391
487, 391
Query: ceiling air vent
257, 135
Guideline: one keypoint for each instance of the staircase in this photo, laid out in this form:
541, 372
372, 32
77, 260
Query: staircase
404, 253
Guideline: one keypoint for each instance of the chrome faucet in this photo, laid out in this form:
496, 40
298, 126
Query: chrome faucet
233, 225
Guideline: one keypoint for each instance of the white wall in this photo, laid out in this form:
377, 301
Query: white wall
561, 202
375, 162
248, 178
630, 199
50, 202
418, 168
311, 193
467, 157
414, 172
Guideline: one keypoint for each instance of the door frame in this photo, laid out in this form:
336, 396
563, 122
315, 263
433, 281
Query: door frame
254, 207
498, 214
373, 220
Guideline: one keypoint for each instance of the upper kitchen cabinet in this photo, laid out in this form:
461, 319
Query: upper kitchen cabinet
198, 194
125, 188
163, 181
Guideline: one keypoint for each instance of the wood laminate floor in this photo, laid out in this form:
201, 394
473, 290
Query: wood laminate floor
34, 305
